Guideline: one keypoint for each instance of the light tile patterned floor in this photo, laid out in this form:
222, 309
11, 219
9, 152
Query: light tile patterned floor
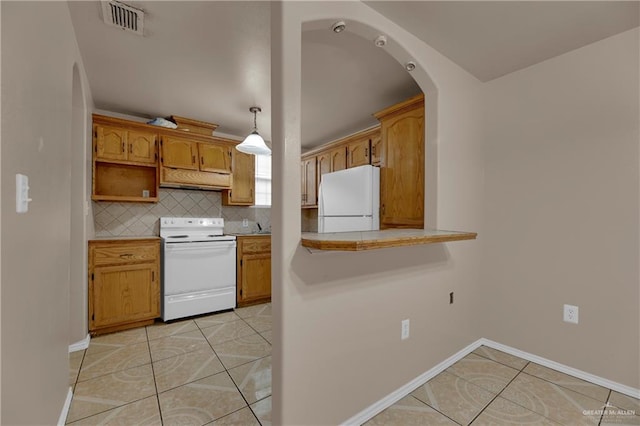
216, 370
213, 369
490, 387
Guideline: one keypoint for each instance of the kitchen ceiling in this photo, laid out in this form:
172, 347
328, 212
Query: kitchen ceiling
211, 60
492, 38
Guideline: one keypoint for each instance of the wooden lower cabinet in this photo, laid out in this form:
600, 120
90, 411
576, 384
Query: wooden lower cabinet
253, 269
124, 284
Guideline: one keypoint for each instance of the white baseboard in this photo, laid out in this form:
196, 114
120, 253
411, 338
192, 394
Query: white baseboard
592, 378
82, 344
403, 391
65, 409
395, 396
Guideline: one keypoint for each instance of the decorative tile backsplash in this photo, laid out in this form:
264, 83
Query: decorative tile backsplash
142, 219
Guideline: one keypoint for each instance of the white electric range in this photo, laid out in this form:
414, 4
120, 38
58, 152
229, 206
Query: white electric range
199, 267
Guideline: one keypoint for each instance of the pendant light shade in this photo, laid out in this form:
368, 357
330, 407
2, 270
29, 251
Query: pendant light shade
254, 144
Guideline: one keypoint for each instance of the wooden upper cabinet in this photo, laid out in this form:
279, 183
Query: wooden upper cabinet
402, 175
376, 149
179, 153
142, 147
323, 165
195, 161
111, 143
124, 166
214, 157
309, 183
338, 158
243, 181
358, 152
121, 144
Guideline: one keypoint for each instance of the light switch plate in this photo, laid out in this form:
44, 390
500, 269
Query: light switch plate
22, 193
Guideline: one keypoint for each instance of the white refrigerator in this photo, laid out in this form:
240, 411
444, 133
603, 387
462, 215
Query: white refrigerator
349, 200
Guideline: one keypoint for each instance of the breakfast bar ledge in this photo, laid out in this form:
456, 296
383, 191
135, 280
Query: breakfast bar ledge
371, 240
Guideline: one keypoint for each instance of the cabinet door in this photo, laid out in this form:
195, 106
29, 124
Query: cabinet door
358, 153
124, 294
303, 183
243, 182
323, 165
142, 147
377, 152
111, 143
215, 158
309, 194
179, 153
338, 159
255, 276
402, 180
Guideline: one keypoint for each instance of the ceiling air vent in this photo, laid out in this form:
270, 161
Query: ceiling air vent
123, 16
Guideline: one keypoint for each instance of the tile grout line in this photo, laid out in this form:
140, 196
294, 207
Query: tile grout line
566, 388
226, 370
500, 393
551, 382
432, 407
116, 407
602, 415
75, 382
153, 372
148, 342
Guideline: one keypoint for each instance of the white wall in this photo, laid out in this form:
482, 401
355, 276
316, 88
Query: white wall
38, 54
561, 208
337, 315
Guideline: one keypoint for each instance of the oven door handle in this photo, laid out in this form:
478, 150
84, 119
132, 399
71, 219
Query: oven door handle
223, 245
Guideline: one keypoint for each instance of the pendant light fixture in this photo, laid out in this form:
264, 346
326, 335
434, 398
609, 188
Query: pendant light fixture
254, 144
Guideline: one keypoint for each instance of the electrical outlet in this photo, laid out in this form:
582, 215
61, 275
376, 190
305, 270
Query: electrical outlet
245, 223
571, 314
404, 333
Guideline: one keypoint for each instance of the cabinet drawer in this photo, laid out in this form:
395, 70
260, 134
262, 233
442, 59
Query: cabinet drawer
194, 178
262, 245
120, 254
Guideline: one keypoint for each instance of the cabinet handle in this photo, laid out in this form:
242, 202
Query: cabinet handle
123, 149
383, 210
193, 159
201, 160
153, 275
130, 149
366, 152
126, 255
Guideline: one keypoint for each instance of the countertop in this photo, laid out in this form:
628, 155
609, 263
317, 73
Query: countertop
371, 240
144, 237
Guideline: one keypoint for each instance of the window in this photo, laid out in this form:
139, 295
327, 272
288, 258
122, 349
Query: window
263, 180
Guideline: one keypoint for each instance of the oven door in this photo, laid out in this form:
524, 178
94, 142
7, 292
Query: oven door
199, 266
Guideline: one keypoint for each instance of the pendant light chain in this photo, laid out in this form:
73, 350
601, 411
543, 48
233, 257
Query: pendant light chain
255, 115
253, 143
